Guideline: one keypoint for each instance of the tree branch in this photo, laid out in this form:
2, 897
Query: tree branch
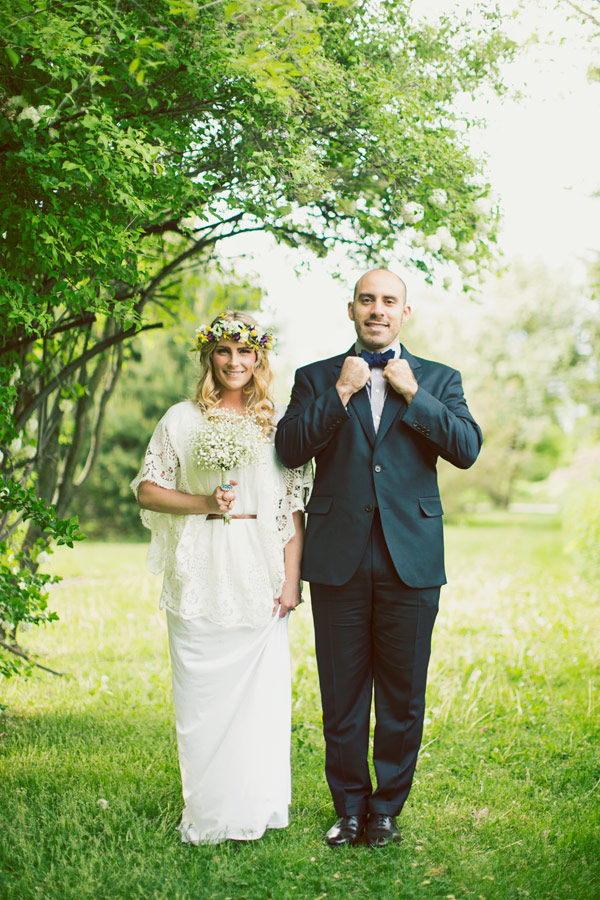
583, 12
23, 655
76, 364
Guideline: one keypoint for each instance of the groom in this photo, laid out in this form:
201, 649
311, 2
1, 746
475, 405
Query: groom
375, 419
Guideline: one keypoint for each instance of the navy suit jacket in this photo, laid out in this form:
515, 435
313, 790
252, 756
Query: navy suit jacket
395, 469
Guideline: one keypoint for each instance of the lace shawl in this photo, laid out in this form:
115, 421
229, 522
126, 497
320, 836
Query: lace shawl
229, 574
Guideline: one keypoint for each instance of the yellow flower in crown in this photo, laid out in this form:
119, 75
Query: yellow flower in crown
234, 330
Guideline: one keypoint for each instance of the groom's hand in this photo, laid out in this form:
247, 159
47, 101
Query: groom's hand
353, 377
399, 374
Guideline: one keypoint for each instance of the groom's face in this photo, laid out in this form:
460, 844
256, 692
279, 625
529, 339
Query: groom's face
379, 308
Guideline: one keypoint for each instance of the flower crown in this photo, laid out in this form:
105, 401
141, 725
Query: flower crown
234, 330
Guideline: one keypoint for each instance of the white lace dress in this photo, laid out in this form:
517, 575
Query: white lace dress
229, 654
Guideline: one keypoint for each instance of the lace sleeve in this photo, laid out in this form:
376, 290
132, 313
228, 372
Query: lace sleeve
160, 466
296, 489
161, 462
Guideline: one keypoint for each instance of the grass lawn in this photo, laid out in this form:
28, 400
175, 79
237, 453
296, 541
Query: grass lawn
506, 802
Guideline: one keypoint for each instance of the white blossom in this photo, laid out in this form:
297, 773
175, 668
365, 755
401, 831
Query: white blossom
468, 248
31, 113
65, 405
102, 803
483, 206
448, 242
483, 226
15, 445
31, 426
468, 266
43, 557
412, 212
438, 198
433, 243
419, 239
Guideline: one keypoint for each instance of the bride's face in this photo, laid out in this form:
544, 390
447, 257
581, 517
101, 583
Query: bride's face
233, 364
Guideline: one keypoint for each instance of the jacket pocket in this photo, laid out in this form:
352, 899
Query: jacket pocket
319, 505
431, 506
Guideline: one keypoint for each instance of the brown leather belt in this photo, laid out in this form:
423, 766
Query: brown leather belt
219, 516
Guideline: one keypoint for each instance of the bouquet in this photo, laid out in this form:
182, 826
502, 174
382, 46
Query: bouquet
227, 441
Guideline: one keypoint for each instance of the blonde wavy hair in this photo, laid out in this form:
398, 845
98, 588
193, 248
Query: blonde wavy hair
256, 392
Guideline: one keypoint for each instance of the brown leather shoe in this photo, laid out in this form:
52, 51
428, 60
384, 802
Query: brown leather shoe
382, 830
347, 830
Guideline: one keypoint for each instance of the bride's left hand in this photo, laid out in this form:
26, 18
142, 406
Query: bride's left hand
290, 598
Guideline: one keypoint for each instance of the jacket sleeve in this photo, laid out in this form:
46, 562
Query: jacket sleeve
446, 422
310, 421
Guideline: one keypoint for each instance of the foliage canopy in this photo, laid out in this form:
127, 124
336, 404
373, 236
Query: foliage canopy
135, 137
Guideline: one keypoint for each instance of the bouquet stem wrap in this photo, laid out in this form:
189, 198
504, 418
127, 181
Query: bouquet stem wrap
226, 486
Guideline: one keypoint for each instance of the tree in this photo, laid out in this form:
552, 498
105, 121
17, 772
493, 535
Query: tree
135, 137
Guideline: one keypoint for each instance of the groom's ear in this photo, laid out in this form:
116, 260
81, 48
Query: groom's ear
406, 312
351, 310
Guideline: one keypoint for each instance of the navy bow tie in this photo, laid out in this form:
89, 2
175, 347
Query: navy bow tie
377, 360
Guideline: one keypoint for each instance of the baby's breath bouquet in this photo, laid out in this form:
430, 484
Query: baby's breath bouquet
227, 441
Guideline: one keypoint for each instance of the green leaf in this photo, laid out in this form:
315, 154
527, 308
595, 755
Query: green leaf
14, 57
134, 65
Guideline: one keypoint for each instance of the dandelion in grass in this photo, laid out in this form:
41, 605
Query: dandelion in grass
227, 441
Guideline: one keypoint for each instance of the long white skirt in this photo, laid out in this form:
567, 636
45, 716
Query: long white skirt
232, 695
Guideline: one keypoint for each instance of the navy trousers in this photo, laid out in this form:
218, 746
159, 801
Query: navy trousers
372, 636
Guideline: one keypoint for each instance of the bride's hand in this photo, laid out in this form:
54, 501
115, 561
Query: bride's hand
290, 598
221, 501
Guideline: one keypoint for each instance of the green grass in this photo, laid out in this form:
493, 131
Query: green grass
507, 795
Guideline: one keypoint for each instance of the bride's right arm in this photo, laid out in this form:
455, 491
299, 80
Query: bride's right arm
165, 500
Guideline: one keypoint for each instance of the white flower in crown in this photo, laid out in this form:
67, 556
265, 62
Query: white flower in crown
438, 198
234, 330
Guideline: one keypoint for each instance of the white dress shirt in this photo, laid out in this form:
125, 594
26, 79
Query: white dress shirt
377, 386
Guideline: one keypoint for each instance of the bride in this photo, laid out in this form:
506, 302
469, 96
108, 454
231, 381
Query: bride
227, 590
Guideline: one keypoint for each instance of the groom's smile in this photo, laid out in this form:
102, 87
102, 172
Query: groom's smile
378, 309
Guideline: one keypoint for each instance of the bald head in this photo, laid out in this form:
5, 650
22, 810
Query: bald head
390, 278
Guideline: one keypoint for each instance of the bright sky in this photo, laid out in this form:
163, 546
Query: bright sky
542, 159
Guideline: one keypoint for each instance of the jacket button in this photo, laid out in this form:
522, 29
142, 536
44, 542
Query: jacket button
378, 468
415, 424
368, 508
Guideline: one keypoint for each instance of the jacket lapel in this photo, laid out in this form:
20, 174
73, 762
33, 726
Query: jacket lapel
395, 404
359, 402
